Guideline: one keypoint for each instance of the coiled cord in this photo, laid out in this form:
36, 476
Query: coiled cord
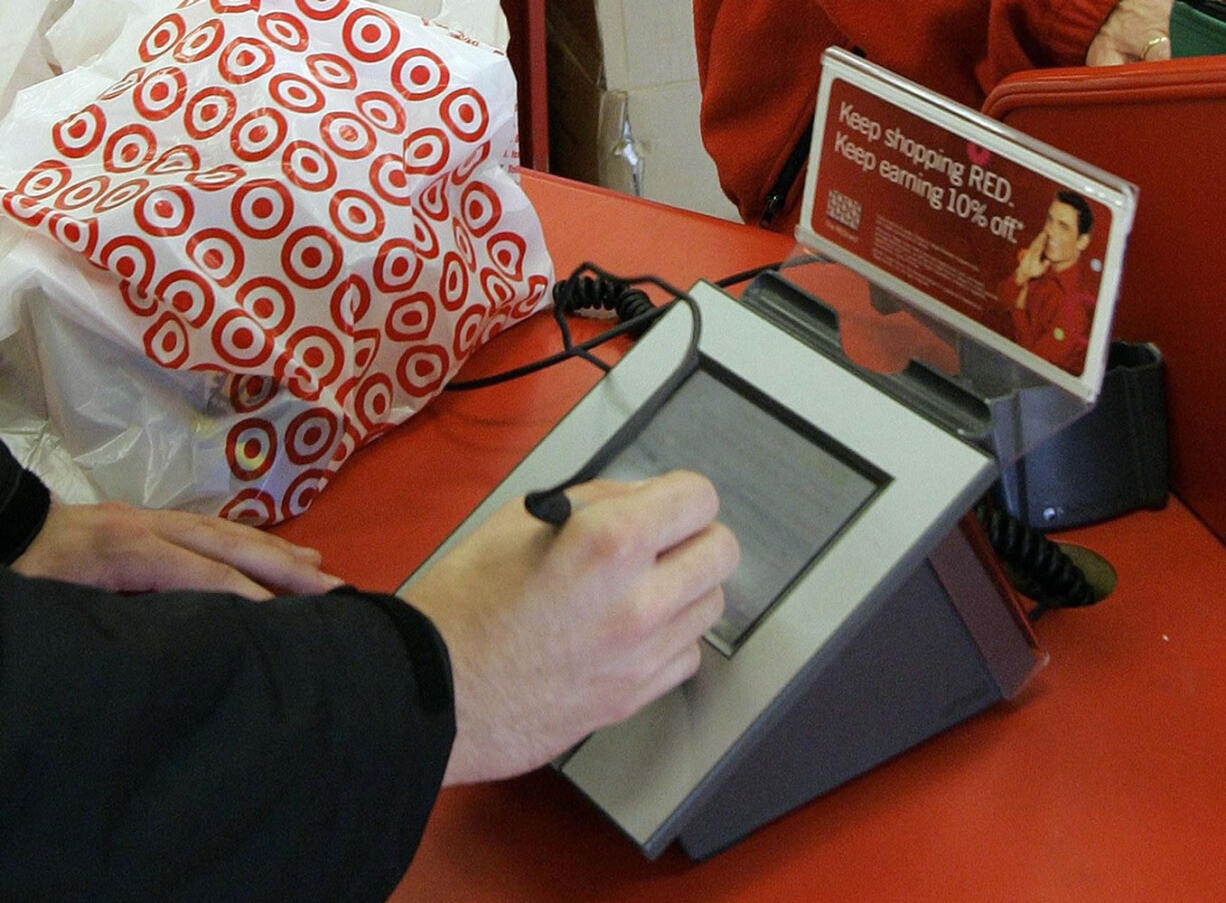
1044, 571
581, 293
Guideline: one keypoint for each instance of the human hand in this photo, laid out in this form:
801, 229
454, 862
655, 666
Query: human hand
555, 633
1032, 262
1132, 33
124, 549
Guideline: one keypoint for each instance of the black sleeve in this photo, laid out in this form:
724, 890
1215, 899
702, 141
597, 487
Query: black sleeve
23, 506
195, 746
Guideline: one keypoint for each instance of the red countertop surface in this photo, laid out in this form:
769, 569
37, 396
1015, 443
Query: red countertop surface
1105, 780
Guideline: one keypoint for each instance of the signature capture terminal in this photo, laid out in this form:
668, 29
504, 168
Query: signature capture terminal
867, 613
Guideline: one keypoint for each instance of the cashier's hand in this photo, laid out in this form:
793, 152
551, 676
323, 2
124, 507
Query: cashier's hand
555, 633
125, 549
1135, 30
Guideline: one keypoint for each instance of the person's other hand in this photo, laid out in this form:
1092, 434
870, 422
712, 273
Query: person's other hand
1131, 33
555, 633
124, 549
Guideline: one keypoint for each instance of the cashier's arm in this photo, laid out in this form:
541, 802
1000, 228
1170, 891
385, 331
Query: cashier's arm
554, 633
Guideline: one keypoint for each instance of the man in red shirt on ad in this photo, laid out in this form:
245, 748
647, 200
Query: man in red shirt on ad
1049, 304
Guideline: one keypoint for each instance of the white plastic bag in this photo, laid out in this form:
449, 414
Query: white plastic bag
256, 234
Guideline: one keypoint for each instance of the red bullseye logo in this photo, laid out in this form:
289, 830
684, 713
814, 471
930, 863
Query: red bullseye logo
166, 342
251, 448
538, 289
365, 348
424, 239
246, 59
311, 435
165, 211
453, 286
420, 74
248, 392
507, 250
121, 195
258, 134
285, 30
180, 158
374, 401
370, 35
218, 254
82, 194
140, 303
262, 208
426, 151
464, 245
161, 94
496, 287
422, 370
347, 135
390, 181
217, 178
188, 293
79, 134
45, 179
356, 216
308, 166
465, 170
296, 93
233, 6
333, 71
397, 266
201, 42
481, 208
302, 493
382, 110
23, 209
240, 341
312, 257
124, 85
494, 325
322, 10
209, 112
251, 506
465, 113
313, 360
268, 302
350, 302
78, 235
468, 330
167, 32
434, 201
131, 259
129, 148
411, 318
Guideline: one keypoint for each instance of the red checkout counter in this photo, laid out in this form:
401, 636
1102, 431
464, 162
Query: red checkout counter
1104, 780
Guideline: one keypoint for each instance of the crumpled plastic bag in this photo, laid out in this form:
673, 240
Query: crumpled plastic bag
255, 234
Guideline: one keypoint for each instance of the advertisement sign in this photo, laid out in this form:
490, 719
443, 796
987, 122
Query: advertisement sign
1012, 242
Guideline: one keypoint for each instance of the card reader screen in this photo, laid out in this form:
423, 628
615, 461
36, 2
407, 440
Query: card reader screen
786, 488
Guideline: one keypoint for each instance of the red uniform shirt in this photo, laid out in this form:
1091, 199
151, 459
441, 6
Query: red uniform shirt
1054, 319
758, 62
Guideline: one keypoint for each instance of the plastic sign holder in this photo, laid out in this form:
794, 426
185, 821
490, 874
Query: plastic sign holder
938, 207
867, 613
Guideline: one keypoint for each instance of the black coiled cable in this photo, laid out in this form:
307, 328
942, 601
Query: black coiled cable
1045, 572
582, 293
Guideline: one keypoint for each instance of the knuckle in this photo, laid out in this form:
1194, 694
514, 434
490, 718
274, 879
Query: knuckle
689, 662
615, 539
633, 622
727, 545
